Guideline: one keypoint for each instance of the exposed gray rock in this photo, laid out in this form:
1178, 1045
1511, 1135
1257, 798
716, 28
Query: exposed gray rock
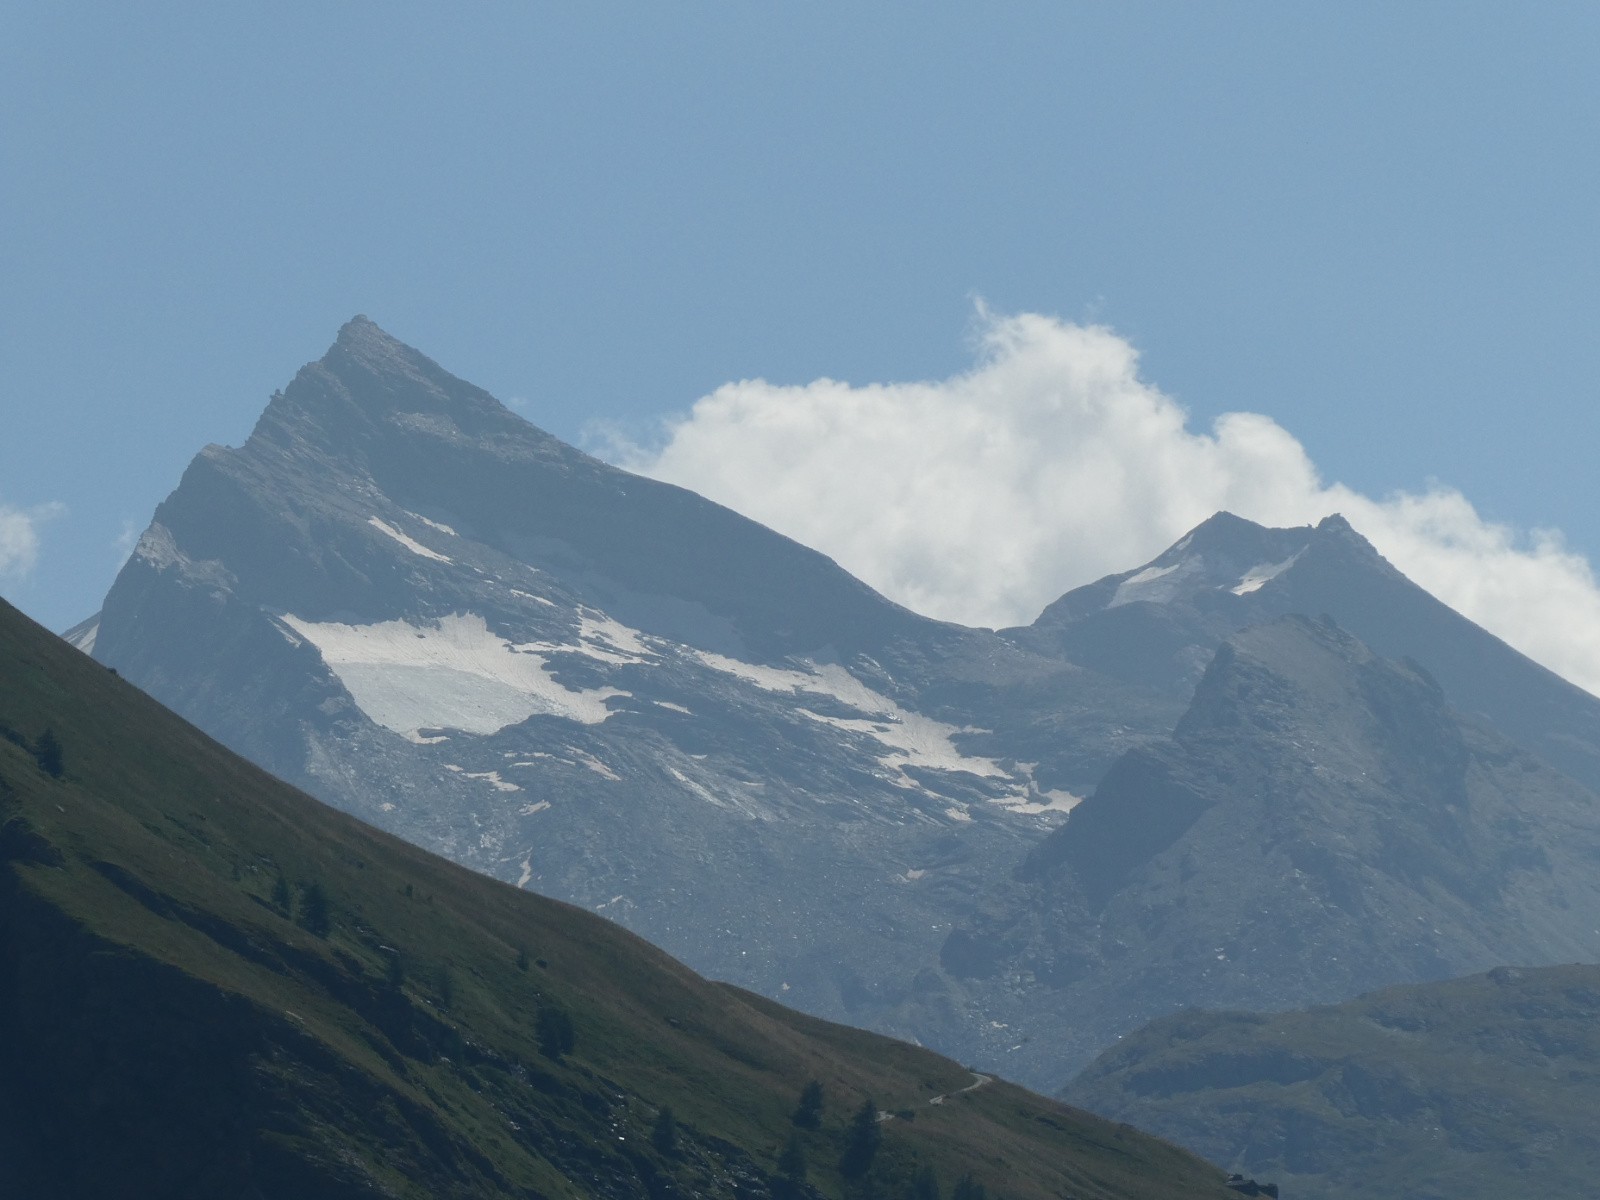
406, 599
1319, 824
1159, 625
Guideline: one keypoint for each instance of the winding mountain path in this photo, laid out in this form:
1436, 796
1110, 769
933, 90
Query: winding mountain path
978, 1081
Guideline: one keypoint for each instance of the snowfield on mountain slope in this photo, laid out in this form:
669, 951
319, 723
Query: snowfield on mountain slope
452, 674
409, 543
1264, 573
455, 673
909, 739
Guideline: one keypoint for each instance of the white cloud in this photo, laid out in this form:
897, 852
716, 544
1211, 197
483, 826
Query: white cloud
19, 536
127, 539
983, 497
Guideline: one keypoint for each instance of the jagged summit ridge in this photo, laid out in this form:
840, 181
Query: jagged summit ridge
370, 385
1159, 625
1224, 553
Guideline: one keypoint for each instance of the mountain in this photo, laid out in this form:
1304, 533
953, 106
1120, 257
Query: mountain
1320, 823
1471, 1089
212, 985
1158, 626
412, 603
405, 599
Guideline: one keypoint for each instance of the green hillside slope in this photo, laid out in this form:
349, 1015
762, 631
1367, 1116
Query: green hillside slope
1471, 1089
212, 986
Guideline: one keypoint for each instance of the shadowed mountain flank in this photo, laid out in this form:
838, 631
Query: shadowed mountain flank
1320, 823
212, 985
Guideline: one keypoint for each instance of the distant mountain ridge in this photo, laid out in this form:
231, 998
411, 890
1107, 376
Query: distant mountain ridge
1469, 1089
402, 597
1158, 625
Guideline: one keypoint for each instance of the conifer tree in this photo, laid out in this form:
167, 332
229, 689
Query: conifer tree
808, 1113
792, 1162
664, 1133
47, 753
282, 900
556, 1034
314, 916
864, 1138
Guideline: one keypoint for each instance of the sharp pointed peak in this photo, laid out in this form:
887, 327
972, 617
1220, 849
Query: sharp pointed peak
1225, 531
363, 339
1230, 535
368, 375
1333, 530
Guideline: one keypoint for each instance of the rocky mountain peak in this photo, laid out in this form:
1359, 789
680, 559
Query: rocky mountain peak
1223, 533
371, 385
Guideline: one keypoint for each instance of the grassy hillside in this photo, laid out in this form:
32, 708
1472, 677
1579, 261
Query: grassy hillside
1472, 1089
211, 985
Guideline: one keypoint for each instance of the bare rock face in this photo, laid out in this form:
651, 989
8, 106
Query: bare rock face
1319, 824
407, 600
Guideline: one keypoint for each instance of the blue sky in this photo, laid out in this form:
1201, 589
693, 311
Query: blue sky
1374, 224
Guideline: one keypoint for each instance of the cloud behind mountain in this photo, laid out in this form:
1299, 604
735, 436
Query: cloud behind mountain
19, 536
982, 497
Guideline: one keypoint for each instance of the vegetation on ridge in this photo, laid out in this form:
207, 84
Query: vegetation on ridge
211, 985
1470, 1089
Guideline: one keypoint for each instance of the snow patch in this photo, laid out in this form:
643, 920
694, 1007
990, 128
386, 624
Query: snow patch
527, 872
83, 637
452, 674
699, 790
602, 639
414, 546
907, 739
433, 524
528, 810
1034, 799
1146, 585
493, 778
598, 767
610, 640
1037, 802
1258, 575
671, 707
